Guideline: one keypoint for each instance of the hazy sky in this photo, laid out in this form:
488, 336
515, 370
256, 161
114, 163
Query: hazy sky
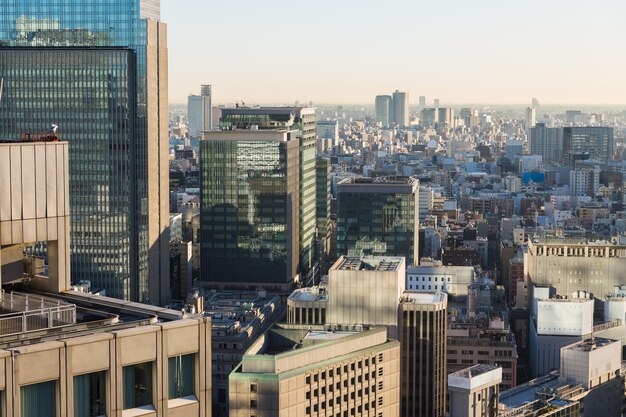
348, 51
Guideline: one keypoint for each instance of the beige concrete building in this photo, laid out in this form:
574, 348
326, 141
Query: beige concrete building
366, 291
34, 207
67, 353
423, 329
474, 391
574, 264
307, 306
318, 371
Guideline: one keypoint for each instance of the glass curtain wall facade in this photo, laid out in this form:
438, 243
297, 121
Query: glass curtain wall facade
110, 103
378, 218
596, 141
294, 118
249, 211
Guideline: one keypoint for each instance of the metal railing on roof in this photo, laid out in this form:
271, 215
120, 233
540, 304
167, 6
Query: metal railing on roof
28, 313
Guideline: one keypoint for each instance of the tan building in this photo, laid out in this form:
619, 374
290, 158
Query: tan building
307, 306
366, 290
318, 371
423, 329
573, 264
34, 207
474, 391
67, 353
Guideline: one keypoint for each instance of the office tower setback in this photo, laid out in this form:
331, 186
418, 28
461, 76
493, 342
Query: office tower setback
384, 110
366, 290
98, 70
597, 142
318, 371
378, 217
546, 142
423, 346
249, 205
301, 119
401, 108
199, 112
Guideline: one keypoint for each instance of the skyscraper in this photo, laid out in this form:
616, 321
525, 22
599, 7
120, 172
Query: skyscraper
436, 103
384, 110
547, 142
423, 345
301, 119
531, 117
596, 141
401, 108
98, 70
378, 217
199, 112
249, 208
422, 102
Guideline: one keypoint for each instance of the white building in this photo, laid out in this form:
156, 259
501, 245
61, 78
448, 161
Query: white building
584, 182
554, 323
513, 184
199, 112
426, 197
432, 276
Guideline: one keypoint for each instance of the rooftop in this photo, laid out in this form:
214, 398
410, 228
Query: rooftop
418, 297
589, 345
30, 317
309, 294
237, 310
373, 263
474, 371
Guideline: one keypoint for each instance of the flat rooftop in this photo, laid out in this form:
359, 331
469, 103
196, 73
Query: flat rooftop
589, 345
526, 393
248, 135
474, 371
370, 263
309, 294
29, 317
240, 309
394, 180
423, 297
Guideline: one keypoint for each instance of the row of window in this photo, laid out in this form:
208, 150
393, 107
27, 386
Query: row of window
37, 400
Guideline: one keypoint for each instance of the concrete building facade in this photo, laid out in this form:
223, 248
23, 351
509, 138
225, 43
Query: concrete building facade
318, 371
423, 327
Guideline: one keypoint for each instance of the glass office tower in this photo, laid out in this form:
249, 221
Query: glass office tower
378, 217
303, 120
596, 141
249, 208
98, 70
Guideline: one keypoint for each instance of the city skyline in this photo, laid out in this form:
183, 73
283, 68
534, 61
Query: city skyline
481, 52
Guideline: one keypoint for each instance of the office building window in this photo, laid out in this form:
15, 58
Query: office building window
89, 395
137, 385
38, 400
181, 374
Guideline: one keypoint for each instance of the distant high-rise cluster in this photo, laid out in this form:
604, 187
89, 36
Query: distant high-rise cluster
393, 110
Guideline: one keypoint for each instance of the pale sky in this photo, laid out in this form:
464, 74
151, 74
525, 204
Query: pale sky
348, 51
